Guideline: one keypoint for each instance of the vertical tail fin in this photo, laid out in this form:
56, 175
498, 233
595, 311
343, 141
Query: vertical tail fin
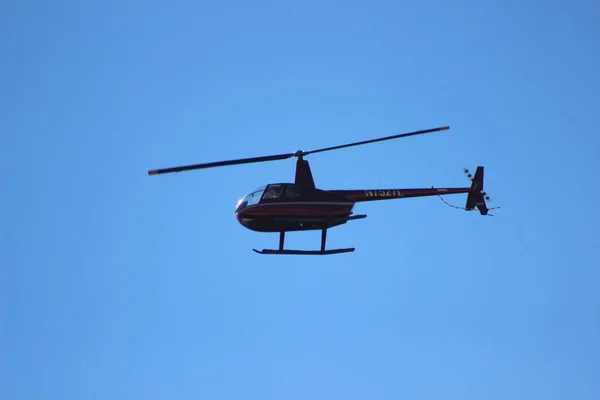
477, 197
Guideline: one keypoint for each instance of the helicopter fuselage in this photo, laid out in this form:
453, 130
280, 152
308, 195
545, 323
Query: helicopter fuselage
286, 207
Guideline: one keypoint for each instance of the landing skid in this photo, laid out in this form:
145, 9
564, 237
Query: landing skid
321, 252
305, 252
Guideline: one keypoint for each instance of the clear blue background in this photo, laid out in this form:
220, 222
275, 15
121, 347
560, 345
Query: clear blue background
116, 285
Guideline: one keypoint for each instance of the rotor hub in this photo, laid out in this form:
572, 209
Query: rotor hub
299, 154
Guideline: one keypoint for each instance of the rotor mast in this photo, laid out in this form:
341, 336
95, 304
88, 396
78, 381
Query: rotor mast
304, 176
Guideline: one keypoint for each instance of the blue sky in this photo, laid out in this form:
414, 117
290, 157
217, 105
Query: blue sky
119, 285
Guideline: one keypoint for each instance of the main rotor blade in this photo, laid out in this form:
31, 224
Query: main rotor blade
286, 155
443, 128
221, 163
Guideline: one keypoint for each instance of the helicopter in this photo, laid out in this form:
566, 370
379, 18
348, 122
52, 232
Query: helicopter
301, 206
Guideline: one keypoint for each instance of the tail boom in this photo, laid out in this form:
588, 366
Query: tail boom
389, 194
476, 196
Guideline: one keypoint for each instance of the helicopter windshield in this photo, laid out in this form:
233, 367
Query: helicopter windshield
252, 197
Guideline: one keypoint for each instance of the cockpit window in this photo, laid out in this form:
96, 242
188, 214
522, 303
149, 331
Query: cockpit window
252, 197
259, 189
292, 191
273, 192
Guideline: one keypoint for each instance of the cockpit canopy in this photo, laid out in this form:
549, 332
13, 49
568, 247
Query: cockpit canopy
269, 192
251, 198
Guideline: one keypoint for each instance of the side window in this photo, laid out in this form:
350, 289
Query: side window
292, 191
273, 192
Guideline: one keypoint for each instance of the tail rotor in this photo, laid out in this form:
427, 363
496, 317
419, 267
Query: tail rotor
477, 197
472, 178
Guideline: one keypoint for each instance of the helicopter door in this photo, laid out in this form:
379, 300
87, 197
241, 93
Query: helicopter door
273, 192
292, 191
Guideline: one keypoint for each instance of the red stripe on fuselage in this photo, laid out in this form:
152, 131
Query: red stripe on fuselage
299, 209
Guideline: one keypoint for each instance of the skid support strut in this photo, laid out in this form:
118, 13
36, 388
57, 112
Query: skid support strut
305, 252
